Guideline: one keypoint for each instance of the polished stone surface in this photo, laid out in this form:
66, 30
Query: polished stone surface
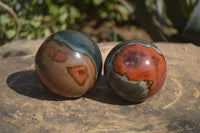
68, 63
135, 70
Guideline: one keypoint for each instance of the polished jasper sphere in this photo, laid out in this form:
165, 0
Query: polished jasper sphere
68, 63
135, 70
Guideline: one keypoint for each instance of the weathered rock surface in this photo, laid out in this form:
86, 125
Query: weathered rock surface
26, 106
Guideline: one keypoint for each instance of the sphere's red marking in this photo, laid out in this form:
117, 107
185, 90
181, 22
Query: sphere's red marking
57, 55
79, 73
140, 63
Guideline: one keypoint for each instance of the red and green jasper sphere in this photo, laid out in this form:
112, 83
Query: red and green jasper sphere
68, 63
135, 70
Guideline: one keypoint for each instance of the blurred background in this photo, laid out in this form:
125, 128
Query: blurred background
102, 20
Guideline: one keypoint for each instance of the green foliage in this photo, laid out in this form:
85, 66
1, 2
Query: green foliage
179, 12
39, 18
184, 15
8, 25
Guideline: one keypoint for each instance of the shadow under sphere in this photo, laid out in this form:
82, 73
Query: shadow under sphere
28, 84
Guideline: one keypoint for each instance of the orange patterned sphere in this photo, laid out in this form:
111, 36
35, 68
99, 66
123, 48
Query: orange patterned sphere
68, 63
135, 70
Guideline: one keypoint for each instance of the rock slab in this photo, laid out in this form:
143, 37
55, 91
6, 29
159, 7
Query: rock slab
26, 106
